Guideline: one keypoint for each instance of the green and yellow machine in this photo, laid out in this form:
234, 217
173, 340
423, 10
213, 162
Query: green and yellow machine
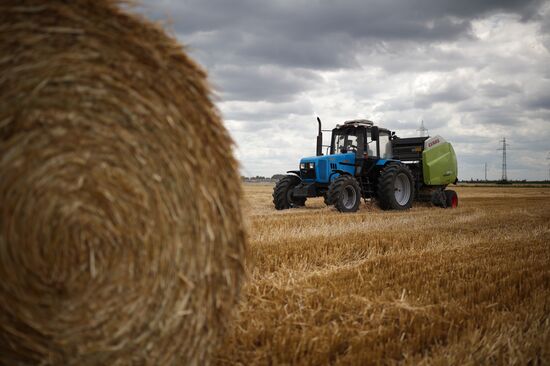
365, 161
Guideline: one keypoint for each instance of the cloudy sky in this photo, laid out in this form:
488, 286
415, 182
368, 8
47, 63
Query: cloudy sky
474, 71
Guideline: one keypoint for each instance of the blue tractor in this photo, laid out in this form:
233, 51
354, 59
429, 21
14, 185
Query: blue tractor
365, 161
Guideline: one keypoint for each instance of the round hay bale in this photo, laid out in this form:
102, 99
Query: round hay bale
121, 239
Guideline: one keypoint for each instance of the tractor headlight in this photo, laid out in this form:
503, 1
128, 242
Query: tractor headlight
302, 165
311, 165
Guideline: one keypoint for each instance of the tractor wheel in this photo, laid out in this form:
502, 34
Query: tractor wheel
395, 187
326, 199
451, 198
345, 194
282, 193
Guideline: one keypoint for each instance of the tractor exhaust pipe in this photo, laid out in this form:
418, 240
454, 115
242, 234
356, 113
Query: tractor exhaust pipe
319, 139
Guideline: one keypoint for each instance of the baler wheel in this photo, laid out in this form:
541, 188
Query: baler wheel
451, 198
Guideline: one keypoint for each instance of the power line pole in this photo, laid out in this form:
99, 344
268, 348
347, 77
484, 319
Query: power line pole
548, 158
504, 169
486, 171
423, 130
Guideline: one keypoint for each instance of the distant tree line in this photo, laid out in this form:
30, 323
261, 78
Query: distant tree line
499, 181
261, 178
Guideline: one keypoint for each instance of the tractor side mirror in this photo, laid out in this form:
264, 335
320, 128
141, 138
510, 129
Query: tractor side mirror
375, 135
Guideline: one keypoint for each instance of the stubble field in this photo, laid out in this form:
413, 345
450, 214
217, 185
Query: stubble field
425, 286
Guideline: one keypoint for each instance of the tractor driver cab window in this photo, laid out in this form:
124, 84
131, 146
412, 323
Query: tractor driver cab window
371, 145
345, 143
385, 146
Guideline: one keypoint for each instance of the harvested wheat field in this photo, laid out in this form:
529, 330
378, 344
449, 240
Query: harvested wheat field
426, 286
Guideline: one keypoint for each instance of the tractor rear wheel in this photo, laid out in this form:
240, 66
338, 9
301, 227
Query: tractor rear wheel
395, 187
451, 198
282, 193
345, 194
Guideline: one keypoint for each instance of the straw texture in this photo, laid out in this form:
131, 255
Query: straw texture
121, 239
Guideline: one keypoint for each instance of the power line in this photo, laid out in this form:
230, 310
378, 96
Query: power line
504, 168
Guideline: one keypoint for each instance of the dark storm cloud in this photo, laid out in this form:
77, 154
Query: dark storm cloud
260, 113
262, 82
545, 31
324, 34
450, 93
499, 116
475, 9
539, 102
414, 19
332, 50
402, 56
539, 97
496, 91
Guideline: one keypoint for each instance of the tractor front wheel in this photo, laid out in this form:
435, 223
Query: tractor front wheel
345, 194
326, 200
282, 193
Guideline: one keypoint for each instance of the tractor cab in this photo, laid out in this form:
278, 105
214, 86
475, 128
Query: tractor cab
362, 138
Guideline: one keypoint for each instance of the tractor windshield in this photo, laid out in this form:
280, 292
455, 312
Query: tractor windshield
345, 143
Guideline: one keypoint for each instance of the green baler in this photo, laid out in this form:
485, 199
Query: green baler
439, 165
433, 163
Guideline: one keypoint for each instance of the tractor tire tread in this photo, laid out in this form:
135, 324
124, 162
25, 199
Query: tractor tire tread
280, 190
386, 192
336, 188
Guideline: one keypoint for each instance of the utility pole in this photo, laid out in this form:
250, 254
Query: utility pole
486, 171
423, 130
504, 169
548, 158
